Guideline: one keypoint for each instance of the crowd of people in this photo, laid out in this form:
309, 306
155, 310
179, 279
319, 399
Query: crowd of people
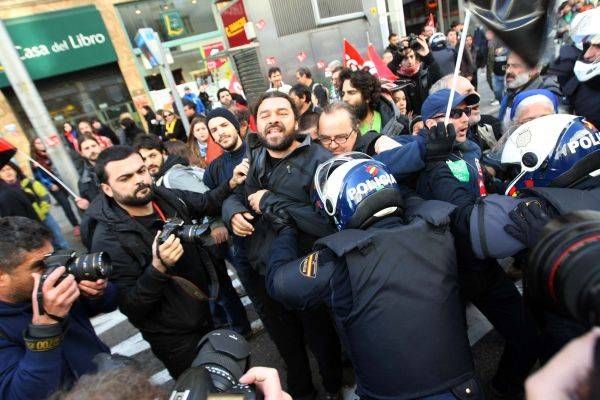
359, 225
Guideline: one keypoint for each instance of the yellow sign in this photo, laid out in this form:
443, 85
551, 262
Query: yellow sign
236, 27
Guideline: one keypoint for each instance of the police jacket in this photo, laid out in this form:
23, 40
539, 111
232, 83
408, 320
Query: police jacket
445, 57
26, 374
88, 185
290, 183
156, 302
393, 293
490, 216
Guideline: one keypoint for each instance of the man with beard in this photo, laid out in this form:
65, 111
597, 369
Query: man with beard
520, 77
88, 185
362, 91
304, 77
43, 350
164, 284
280, 178
484, 130
302, 98
155, 155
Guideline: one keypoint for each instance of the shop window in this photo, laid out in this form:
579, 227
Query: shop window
303, 15
172, 19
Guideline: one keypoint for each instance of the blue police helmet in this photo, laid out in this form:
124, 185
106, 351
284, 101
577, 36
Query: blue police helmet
556, 150
355, 190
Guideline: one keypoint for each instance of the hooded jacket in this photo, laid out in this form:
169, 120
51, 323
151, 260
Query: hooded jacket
392, 122
88, 185
32, 375
156, 302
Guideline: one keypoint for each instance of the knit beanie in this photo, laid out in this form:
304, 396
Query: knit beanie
225, 113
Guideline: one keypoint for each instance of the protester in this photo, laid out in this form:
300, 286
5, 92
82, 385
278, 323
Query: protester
520, 77
417, 67
70, 135
242, 114
130, 129
154, 121
278, 181
122, 222
43, 349
88, 185
496, 66
12, 175
84, 127
393, 43
362, 91
197, 142
198, 105
531, 104
104, 130
189, 110
452, 39
275, 81
318, 92
460, 181
174, 129
40, 156
302, 98
308, 123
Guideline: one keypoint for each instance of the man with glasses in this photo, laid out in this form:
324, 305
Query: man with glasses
460, 180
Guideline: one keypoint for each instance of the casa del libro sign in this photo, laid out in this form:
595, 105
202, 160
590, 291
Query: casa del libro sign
55, 43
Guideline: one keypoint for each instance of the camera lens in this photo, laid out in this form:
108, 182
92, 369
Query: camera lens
91, 267
563, 273
192, 233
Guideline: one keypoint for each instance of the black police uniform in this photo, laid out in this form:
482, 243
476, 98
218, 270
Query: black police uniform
395, 303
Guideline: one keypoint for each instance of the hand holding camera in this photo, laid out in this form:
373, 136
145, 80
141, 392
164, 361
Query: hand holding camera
267, 381
53, 297
166, 252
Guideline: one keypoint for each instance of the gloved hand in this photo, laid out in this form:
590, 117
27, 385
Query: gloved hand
439, 142
529, 219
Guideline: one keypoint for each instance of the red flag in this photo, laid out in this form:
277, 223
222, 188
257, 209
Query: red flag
382, 70
352, 58
235, 86
430, 21
7, 151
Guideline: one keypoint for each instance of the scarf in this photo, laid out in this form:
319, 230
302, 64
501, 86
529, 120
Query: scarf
410, 71
42, 159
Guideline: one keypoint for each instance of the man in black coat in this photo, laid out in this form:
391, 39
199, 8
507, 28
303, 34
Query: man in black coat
163, 285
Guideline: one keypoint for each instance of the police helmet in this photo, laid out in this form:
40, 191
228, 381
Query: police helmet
437, 41
585, 31
556, 150
355, 190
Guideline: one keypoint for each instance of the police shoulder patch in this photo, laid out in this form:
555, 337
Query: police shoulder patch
309, 265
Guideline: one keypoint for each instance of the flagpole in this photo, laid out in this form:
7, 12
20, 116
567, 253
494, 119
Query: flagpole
461, 49
60, 182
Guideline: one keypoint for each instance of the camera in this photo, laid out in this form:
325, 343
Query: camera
186, 233
563, 273
223, 357
88, 267
413, 43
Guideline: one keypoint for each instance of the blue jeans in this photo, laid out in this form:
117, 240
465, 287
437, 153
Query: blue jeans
498, 81
58, 240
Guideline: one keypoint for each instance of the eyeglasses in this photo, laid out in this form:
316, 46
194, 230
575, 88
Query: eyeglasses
456, 113
340, 139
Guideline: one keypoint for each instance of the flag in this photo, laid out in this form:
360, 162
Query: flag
235, 86
523, 26
430, 21
352, 58
7, 151
381, 70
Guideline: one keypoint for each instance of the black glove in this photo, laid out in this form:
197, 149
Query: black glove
529, 219
439, 142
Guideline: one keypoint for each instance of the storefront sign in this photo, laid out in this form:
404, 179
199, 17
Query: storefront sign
58, 42
234, 20
173, 24
211, 49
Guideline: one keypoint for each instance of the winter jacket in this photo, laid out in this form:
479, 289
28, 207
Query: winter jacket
156, 302
89, 185
221, 169
13, 202
40, 198
177, 132
445, 58
582, 96
30, 375
392, 122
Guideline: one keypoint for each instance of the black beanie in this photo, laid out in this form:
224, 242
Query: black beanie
225, 113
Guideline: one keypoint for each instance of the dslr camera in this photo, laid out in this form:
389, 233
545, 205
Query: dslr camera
223, 357
563, 273
186, 233
413, 43
88, 267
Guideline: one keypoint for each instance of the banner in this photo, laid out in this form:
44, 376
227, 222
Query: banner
352, 58
234, 19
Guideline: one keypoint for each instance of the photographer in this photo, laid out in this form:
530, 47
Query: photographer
415, 66
40, 353
164, 284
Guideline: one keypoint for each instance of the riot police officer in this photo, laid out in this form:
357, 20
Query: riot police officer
395, 305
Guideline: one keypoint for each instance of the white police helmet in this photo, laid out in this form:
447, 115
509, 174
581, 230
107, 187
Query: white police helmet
585, 31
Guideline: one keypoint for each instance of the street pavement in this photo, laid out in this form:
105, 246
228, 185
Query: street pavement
114, 329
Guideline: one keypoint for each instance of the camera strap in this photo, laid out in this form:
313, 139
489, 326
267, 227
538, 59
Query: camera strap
159, 211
